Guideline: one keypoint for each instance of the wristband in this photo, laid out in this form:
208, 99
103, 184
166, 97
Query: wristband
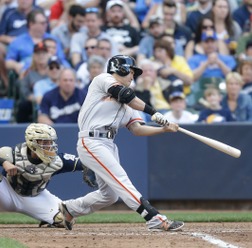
149, 110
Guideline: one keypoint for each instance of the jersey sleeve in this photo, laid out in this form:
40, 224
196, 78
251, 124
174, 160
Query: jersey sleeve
71, 163
107, 80
135, 118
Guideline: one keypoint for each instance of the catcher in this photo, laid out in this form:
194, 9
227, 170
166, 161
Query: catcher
28, 168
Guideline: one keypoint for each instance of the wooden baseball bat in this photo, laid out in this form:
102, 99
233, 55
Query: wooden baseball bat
232, 151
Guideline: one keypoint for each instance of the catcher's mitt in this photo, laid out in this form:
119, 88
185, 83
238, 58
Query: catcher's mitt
89, 177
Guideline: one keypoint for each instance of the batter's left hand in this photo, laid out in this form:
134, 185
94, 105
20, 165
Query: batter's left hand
171, 127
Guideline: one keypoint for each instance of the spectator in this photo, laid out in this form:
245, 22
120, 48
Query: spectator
104, 47
75, 23
181, 33
125, 35
44, 85
51, 45
178, 48
245, 70
157, 9
95, 66
238, 103
178, 112
195, 46
211, 63
144, 10
36, 72
225, 27
90, 47
156, 30
7, 4
152, 89
172, 66
244, 46
62, 104
14, 21
242, 15
4, 84
59, 10
93, 23
198, 11
214, 112
20, 50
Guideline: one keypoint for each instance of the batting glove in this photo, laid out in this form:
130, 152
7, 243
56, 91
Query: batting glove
160, 119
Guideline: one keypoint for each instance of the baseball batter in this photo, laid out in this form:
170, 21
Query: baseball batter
111, 104
28, 168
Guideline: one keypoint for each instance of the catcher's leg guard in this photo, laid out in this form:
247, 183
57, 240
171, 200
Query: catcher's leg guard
57, 221
146, 210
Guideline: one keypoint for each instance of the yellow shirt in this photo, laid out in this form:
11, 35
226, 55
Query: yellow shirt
158, 101
180, 64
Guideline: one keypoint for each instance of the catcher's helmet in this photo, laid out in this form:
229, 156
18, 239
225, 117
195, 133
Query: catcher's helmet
121, 65
35, 135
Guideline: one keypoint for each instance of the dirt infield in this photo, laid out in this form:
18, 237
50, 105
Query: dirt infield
205, 235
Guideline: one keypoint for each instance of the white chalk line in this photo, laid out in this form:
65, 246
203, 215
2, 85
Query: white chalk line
213, 240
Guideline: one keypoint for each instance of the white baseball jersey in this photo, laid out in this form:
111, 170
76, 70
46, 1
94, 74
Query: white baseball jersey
100, 113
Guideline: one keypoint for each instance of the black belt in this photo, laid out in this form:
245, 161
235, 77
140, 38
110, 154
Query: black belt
108, 135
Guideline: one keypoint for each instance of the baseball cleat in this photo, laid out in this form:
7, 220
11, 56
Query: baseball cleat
160, 223
68, 219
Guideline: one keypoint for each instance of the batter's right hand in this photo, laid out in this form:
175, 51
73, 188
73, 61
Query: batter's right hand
10, 168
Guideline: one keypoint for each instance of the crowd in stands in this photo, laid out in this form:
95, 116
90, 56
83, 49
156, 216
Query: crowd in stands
196, 56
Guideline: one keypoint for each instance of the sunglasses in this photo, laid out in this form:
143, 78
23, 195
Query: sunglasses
90, 47
105, 48
207, 26
51, 67
92, 10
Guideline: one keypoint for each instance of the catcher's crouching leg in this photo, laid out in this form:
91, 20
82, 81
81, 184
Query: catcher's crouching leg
57, 221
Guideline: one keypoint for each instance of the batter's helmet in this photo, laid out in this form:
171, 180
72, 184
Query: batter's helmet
37, 132
121, 65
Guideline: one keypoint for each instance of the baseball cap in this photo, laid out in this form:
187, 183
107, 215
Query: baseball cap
40, 47
113, 3
155, 20
54, 60
176, 94
210, 34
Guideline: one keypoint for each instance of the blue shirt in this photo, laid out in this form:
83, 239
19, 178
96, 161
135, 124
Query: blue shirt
21, 49
193, 19
141, 8
211, 71
147, 43
59, 110
42, 86
243, 111
242, 17
215, 116
13, 23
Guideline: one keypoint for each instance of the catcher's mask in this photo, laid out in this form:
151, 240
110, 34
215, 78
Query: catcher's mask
40, 138
121, 65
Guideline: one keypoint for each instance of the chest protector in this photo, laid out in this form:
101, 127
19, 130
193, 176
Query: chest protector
31, 179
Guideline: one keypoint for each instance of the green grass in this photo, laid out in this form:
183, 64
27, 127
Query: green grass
131, 217
11, 243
